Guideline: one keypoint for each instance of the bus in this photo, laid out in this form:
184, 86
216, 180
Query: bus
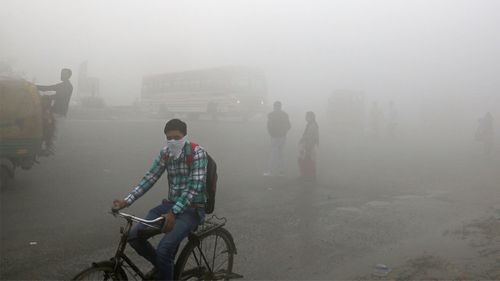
223, 91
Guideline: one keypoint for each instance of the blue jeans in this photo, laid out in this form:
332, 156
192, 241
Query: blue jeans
163, 257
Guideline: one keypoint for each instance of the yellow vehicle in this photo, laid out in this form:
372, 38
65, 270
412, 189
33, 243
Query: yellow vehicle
21, 126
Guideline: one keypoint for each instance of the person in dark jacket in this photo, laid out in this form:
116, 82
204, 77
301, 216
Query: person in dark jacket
55, 105
308, 144
62, 95
278, 125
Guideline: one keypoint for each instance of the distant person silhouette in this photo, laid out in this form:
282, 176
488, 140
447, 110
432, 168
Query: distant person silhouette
278, 125
392, 121
485, 133
308, 145
376, 118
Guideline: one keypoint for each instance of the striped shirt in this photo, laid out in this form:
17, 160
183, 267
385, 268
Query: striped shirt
186, 182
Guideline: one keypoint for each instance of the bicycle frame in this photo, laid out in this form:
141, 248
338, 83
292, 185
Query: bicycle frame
121, 261
120, 257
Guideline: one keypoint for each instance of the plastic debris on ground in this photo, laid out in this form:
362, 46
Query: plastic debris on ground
381, 270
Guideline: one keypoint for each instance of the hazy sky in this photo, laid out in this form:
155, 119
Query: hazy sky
401, 50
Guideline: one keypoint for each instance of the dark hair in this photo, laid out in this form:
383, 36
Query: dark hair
310, 113
175, 124
67, 70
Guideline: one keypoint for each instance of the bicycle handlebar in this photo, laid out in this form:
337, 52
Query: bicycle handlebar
140, 220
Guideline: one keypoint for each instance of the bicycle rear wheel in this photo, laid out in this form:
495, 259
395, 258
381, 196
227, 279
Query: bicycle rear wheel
209, 257
102, 271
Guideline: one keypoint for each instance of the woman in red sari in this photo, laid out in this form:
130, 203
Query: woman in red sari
308, 145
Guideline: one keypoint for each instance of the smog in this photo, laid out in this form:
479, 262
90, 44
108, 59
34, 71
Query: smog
352, 139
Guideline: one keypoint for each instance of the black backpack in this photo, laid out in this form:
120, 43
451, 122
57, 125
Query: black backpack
211, 185
210, 182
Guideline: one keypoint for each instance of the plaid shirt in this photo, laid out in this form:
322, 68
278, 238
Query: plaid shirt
186, 184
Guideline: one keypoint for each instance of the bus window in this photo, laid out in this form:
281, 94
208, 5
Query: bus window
240, 83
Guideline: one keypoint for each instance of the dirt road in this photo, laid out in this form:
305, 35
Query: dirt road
426, 209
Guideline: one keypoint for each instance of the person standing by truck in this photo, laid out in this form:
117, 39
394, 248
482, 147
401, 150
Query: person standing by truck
55, 105
61, 97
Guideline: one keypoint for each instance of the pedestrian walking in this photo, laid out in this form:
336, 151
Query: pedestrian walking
307, 148
278, 125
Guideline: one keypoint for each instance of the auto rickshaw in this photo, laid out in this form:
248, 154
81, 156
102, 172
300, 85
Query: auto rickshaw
21, 126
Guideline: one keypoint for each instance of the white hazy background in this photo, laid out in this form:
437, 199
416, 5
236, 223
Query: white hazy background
412, 52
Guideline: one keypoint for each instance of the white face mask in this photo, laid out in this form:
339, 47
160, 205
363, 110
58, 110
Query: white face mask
176, 146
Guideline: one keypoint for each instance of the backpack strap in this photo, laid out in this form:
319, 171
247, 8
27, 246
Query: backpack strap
189, 153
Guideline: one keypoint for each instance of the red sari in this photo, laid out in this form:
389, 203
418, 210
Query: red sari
307, 151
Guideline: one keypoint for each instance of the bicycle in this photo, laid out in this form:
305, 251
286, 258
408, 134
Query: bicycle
197, 260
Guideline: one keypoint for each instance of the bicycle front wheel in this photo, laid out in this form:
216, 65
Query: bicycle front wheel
102, 271
209, 257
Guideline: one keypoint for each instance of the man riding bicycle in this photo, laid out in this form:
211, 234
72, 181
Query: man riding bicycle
186, 165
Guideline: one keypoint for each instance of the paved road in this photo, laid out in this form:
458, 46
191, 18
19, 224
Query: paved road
412, 205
